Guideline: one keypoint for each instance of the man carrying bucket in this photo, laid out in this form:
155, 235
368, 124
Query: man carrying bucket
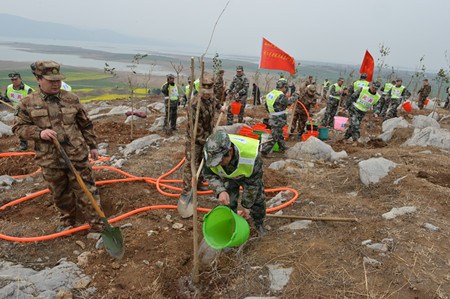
336, 91
233, 161
239, 86
358, 104
395, 96
277, 104
300, 116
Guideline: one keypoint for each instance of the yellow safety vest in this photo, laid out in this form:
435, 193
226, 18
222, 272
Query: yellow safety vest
247, 149
360, 84
16, 95
366, 100
338, 89
387, 87
65, 86
173, 93
270, 100
396, 92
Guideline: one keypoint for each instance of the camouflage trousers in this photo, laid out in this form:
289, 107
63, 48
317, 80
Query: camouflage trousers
421, 102
324, 94
354, 130
393, 110
187, 170
276, 123
332, 107
447, 102
173, 114
253, 197
67, 194
299, 121
382, 106
230, 116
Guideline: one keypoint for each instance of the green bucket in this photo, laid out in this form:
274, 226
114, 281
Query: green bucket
323, 133
224, 228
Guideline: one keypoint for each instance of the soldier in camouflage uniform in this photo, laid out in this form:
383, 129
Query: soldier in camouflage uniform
171, 94
358, 104
54, 114
305, 85
383, 104
423, 92
205, 128
358, 84
300, 116
219, 86
336, 92
239, 86
233, 161
396, 96
277, 104
447, 101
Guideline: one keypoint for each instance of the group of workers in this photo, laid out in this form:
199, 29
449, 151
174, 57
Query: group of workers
231, 161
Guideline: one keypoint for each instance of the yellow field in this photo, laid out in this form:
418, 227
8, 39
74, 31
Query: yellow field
83, 90
78, 76
107, 97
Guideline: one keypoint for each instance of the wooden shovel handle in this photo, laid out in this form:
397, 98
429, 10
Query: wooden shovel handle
79, 179
3, 102
313, 218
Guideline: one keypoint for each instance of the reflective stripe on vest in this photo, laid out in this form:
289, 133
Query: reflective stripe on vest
16, 95
173, 93
196, 84
396, 92
387, 87
65, 86
338, 89
366, 100
326, 83
247, 149
270, 100
360, 84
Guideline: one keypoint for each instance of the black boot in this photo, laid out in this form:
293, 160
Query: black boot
260, 230
23, 145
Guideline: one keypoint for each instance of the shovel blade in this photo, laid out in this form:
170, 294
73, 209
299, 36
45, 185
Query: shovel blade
185, 206
113, 242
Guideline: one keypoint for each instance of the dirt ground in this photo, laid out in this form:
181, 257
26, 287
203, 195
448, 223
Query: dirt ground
327, 258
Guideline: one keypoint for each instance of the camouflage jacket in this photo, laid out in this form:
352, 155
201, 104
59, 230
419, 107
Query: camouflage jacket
425, 90
217, 184
333, 91
282, 103
304, 85
308, 99
240, 85
62, 113
206, 115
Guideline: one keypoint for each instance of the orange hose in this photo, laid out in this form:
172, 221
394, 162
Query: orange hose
158, 182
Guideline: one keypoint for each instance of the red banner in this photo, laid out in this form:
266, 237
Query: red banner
367, 66
274, 58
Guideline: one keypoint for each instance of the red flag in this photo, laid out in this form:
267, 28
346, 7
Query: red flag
274, 58
367, 66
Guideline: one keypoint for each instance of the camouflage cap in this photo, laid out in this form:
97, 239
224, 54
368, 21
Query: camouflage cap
170, 76
216, 147
363, 76
207, 85
33, 68
239, 68
14, 75
281, 83
49, 70
376, 84
341, 79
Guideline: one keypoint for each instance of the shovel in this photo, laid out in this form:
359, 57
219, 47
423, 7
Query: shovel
111, 236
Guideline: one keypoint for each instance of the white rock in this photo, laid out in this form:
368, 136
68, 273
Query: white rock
157, 106
315, 149
280, 197
248, 119
98, 110
159, 122
141, 143
278, 276
378, 246
6, 116
394, 123
430, 136
134, 117
233, 129
119, 163
181, 120
386, 136
434, 115
399, 179
422, 121
5, 130
300, 224
431, 227
6, 180
398, 212
119, 110
366, 242
368, 260
93, 236
372, 170
177, 226
277, 165
97, 116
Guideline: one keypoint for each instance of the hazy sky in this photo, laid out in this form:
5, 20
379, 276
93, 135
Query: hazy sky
319, 30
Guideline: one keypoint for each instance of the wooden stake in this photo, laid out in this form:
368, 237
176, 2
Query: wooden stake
3, 102
313, 218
